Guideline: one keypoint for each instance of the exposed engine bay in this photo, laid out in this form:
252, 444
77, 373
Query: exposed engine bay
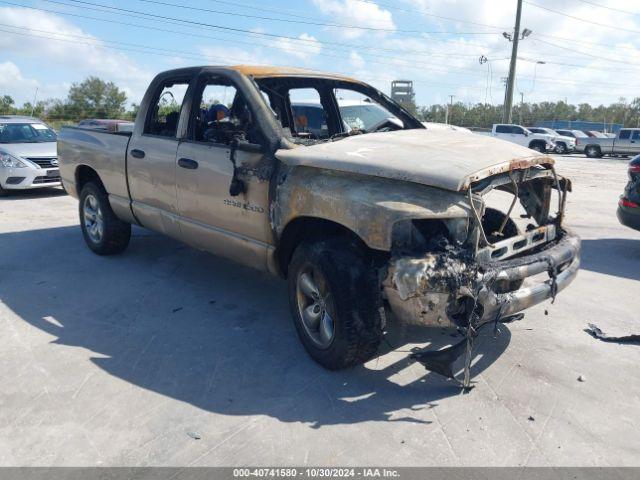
466, 273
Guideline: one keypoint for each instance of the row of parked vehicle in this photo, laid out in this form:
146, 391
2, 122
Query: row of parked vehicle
592, 143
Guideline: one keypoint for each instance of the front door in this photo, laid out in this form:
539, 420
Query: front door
211, 217
623, 143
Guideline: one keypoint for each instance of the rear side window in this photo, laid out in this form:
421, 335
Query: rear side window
625, 134
636, 135
503, 129
164, 113
309, 115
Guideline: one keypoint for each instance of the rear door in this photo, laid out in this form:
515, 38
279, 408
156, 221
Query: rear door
233, 224
151, 158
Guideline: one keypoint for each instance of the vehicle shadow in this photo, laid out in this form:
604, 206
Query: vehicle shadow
205, 331
10, 195
619, 257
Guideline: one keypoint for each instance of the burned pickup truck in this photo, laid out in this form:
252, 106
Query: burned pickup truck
370, 219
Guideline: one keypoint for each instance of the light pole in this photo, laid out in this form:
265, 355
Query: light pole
449, 108
507, 115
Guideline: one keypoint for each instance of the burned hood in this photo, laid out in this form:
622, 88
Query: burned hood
439, 158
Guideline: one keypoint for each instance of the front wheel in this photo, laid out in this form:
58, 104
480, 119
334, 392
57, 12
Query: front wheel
537, 147
335, 303
561, 148
104, 233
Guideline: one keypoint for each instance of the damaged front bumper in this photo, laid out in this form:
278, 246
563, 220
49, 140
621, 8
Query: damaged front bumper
441, 289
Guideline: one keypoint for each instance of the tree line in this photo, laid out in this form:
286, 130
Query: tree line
481, 115
92, 98
96, 98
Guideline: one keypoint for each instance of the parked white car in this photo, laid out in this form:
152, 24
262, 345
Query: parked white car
28, 154
522, 136
564, 143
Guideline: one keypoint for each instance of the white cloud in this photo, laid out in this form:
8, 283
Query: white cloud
304, 49
356, 60
11, 77
354, 12
60, 45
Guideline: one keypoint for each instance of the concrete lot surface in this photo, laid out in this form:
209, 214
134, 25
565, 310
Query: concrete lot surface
169, 356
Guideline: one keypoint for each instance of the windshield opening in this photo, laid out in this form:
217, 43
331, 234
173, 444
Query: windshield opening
26, 133
315, 110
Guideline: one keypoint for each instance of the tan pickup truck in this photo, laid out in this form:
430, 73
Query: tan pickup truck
370, 218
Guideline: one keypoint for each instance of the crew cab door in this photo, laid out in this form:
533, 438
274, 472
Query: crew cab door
634, 145
151, 158
233, 224
623, 142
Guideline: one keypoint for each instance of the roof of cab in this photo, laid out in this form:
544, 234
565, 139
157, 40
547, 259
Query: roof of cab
258, 71
261, 71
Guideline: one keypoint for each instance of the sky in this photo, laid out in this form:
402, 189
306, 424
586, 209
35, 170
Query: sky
579, 50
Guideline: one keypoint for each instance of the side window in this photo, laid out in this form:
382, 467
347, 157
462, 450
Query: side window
308, 113
360, 112
636, 135
625, 134
165, 113
503, 129
223, 114
517, 130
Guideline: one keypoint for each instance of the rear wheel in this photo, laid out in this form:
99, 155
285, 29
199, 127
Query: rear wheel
593, 151
537, 146
3, 192
104, 233
561, 148
335, 303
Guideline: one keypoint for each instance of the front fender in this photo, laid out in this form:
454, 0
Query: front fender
368, 206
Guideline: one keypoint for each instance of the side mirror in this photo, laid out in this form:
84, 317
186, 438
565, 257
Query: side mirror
526, 134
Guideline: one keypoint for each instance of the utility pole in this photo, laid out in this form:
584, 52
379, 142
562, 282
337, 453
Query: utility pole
508, 98
449, 108
521, 107
35, 99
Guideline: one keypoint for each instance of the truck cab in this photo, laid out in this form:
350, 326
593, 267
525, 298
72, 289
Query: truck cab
523, 136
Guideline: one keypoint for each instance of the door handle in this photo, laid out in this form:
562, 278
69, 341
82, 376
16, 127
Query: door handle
188, 163
137, 153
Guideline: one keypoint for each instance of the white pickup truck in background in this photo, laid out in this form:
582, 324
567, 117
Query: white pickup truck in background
522, 136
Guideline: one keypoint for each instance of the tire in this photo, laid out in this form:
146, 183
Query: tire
593, 151
104, 233
3, 192
348, 298
561, 149
537, 146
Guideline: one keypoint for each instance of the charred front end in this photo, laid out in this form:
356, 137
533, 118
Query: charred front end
511, 253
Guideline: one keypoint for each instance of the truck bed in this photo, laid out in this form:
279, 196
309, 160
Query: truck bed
105, 152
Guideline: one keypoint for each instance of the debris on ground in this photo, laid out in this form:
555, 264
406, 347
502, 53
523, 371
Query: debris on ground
194, 435
595, 332
176, 309
531, 419
582, 378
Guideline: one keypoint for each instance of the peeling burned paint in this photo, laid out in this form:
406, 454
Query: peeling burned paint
368, 206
